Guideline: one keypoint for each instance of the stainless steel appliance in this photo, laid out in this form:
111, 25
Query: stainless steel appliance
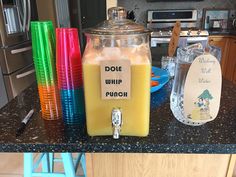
73, 13
161, 23
234, 23
15, 45
12, 20
172, 0
55, 10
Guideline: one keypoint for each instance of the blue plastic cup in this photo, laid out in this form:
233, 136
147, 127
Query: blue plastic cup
72, 101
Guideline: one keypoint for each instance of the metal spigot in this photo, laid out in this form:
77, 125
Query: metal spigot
116, 118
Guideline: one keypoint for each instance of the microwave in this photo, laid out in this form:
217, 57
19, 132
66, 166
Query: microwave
172, 0
171, 15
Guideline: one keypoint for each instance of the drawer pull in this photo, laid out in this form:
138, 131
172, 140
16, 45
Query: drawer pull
18, 76
24, 49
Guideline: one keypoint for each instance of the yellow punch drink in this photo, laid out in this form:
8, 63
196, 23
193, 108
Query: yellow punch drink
117, 74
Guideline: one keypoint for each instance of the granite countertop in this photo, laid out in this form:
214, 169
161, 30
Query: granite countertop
167, 135
222, 32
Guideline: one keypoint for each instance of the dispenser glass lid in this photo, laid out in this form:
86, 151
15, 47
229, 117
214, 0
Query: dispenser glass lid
117, 24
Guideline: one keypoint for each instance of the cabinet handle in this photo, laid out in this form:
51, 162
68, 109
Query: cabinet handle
20, 50
234, 22
18, 76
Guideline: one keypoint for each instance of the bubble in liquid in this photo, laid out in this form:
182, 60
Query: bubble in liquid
90, 57
111, 53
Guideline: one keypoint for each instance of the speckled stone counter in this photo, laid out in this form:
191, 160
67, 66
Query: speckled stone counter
222, 32
167, 135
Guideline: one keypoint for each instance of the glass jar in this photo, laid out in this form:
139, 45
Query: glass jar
168, 64
185, 57
120, 43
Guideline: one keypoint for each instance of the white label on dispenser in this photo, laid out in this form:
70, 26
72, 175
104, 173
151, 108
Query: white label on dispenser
115, 79
202, 90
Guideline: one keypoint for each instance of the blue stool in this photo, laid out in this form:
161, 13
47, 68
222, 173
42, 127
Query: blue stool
47, 160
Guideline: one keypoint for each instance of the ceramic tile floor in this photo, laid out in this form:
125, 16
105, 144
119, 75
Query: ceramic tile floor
11, 165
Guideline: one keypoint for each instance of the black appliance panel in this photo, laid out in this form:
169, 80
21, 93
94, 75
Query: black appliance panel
172, 15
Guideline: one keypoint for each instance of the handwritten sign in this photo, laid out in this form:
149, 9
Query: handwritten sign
115, 79
202, 89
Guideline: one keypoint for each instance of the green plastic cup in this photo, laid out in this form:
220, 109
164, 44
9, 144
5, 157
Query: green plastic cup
43, 46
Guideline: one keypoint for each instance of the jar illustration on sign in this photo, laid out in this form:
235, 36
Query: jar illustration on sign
202, 109
116, 72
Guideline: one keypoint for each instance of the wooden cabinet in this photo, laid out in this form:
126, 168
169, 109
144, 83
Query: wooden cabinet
234, 77
228, 60
231, 63
223, 43
232, 166
158, 165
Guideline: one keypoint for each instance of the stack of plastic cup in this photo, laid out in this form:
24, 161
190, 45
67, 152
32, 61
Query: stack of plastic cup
69, 73
43, 44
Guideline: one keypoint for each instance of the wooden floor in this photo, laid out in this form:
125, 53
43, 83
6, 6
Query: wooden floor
11, 165
160, 165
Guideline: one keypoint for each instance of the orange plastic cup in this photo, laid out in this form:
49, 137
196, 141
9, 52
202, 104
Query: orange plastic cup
50, 102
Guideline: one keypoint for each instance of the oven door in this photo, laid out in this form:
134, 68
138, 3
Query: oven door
159, 46
193, 40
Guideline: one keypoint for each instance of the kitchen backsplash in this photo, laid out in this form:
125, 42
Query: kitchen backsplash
141, 6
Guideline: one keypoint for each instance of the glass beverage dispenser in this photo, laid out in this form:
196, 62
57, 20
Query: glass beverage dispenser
117, 71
